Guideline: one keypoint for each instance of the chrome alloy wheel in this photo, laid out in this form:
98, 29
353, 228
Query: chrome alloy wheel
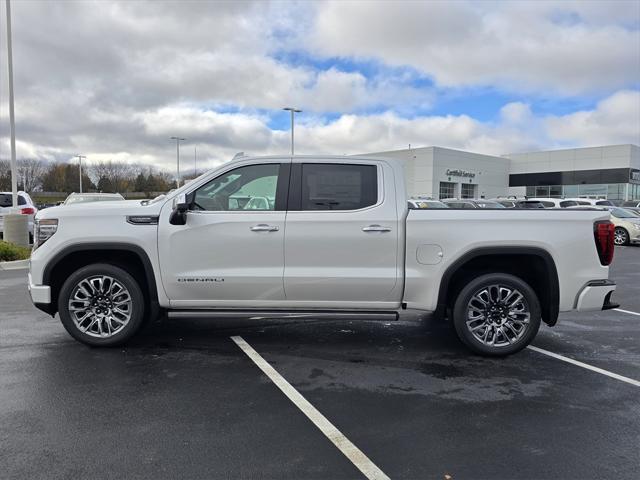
498, 315
100, 306
620, 236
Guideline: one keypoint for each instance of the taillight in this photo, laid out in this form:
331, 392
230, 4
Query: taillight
603, 232
27, 211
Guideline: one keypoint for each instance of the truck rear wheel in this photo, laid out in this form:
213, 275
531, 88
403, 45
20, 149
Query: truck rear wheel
101, 305
496, 314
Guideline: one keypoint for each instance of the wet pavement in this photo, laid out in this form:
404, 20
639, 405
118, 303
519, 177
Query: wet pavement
182, 400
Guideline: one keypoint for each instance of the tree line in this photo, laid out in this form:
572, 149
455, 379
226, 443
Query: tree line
36, 175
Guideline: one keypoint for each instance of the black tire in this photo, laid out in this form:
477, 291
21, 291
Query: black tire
494, 318
135, 309
621, 236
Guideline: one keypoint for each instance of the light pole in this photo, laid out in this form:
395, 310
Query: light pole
80, 157
12, 118
178, 140
293, 112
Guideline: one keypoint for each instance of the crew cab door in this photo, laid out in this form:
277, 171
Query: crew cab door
342, 234
230, 252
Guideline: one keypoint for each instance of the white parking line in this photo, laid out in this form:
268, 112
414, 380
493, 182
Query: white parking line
587, 366
353, 453
627, 311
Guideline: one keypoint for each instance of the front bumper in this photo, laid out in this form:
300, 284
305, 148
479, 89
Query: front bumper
596, 295
40, 294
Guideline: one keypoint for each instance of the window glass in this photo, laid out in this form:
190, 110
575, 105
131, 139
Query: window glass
468, 205
621, 213
447, 190
555, 191
571, 203
548, 204
328, 186
467, 190
6, 200
490, 205
246, 188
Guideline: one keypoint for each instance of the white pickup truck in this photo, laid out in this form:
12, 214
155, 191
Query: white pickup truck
315, 236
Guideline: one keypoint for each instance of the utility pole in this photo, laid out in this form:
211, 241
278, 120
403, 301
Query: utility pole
178, 140
12, 118
293, 111
80, 157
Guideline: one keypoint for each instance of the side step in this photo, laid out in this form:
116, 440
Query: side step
384, 316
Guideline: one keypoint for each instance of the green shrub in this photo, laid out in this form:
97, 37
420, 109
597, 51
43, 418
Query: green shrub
9, 251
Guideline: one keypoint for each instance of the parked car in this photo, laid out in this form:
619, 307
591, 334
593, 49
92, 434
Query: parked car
91, 197
471, 203
518, 203
627, 226
593, 201
419, 203
556, 202
353, 250
26, 206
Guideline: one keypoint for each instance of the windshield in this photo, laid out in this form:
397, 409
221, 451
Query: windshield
423, 204
622, 213
490, 205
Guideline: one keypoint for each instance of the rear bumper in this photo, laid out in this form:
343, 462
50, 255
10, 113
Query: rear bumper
596, 295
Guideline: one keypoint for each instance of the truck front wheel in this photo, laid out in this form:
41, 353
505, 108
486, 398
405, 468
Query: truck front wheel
496, 314
101, 305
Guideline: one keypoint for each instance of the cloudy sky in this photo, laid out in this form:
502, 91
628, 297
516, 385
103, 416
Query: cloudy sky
115, 80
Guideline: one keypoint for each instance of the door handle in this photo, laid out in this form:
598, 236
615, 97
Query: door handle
376, 228
263, 227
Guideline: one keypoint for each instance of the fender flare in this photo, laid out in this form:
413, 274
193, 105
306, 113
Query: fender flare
549, 312
113, 246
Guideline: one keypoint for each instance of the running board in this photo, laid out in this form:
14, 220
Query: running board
384, 316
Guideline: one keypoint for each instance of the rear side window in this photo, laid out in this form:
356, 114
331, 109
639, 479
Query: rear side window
548, 204
6, 200
570, 203
328, 186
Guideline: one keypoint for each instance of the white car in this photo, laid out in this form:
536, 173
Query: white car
418, 203
25, 207
555, 202
600, 202
339, 240
75, 198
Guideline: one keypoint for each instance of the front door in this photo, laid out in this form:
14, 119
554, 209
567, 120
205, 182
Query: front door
230, 252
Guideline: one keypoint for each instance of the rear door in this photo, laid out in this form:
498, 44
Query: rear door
342, 234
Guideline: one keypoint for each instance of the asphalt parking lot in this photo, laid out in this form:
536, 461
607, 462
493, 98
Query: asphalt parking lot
184, 401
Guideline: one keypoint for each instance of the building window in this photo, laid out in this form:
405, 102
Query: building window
542, 192
468, 190
447, 190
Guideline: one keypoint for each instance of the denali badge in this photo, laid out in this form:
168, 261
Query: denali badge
200, 279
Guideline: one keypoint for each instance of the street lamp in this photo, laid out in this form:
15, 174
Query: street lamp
293, 111
178, 140
12, 118
80, 157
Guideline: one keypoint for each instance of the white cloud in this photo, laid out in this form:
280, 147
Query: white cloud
616, 119
546, 47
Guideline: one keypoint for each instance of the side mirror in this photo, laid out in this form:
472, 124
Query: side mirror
179, 213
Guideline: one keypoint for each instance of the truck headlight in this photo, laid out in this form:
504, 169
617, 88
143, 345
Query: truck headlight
44, 230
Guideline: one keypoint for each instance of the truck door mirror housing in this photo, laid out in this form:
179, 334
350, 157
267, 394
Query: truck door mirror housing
179, 213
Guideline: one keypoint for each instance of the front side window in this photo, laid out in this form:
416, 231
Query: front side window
245, 188
328, 186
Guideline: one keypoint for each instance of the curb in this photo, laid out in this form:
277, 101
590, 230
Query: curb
15, 265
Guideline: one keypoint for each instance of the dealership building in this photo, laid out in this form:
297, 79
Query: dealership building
611, 172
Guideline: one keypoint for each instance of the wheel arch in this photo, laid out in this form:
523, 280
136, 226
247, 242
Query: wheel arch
532, 264
130, 257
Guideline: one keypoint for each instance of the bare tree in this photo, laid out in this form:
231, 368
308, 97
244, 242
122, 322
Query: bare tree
5, 175
30, 173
